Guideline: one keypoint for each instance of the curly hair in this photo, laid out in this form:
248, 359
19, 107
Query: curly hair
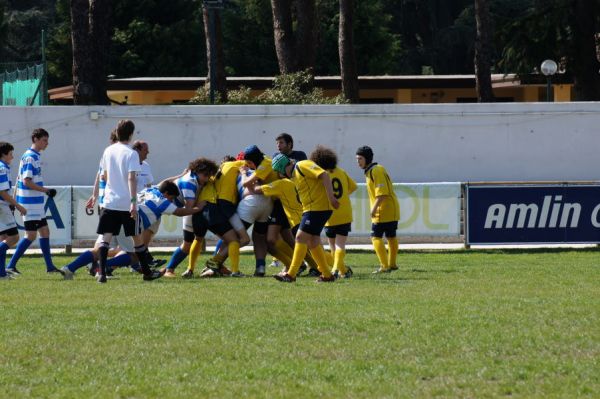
203, 165
324, 157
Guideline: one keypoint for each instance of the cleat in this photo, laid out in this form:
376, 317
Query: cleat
157, 262
336, 274
100, 278
392, 268
94, 268
13, 271
260, 271
284, 278
348, 273
313, 273
55, 270
169, 273
135, 269
188, 274
323, 279
225, 272
210, 272
302, 269
7, 277
275, 263
381, 270
67, 274
237, 274
154, 275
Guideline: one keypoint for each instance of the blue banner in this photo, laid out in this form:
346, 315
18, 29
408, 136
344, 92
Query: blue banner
533, 214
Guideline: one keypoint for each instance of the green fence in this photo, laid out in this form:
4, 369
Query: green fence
24, 87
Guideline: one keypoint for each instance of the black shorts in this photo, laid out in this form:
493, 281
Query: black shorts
111, 222
34, 225
13, 231
387, 228
295, 229
338, 230
215, 219
227, 208
261, 227
278, 216
313, 221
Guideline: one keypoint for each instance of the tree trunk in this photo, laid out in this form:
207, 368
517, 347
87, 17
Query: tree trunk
583, 62
306, 34
215, 35
90, 36
346, 50
285, 45
483, 52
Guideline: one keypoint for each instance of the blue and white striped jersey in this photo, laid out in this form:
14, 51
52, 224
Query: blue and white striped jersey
151, 205
188, 188
30, 168
5, 183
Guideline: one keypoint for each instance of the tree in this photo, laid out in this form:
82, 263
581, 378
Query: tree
482, 59
214, 33
285, 45
90, 36
346, 48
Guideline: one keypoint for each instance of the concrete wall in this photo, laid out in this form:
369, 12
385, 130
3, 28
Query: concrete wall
417, 143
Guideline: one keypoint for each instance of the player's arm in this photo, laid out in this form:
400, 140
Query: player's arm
28, 182
7, 197
95, 192
378, 201
132, 182
187, 211
256, 189
250, 181
352, 186
326, 181
173, 178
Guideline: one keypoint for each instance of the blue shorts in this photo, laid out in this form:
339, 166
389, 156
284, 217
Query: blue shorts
387, 228
216, 221
313, 221
338, 230
278, 216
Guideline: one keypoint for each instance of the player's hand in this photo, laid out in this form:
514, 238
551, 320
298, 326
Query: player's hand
51, 192
334, 202
373, 212
90, 202
21, 209
133, 211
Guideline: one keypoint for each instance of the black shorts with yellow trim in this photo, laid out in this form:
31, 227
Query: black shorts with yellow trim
216, 221
380, 229
314, 221
338, 230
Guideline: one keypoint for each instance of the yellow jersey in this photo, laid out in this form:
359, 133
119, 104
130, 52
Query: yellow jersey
226, 181
265, 172
310, 188
285, 191
209, 192
379, 184
343, 186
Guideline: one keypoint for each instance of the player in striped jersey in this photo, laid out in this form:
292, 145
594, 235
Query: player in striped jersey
152, 203
385, 210
190, 186
339, 224
31, 194
9, 234
316, 194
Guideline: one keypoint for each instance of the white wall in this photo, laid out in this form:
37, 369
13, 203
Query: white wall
417, 143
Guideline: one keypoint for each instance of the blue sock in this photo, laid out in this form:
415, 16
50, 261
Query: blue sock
119, 261
218, 246
3, 249
82, 260
260, 262
22, 246
45, 247
177, 257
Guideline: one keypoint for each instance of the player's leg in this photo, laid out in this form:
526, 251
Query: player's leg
379, 247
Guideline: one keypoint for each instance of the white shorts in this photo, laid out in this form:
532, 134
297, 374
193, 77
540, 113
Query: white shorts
120, 240
236, 222
188, 225
7, 218
155, 226
255, 208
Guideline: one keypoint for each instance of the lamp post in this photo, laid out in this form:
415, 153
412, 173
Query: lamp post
211, 6
549, 68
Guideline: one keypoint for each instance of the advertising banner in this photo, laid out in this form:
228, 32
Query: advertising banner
58, 215
426, 209
543, 214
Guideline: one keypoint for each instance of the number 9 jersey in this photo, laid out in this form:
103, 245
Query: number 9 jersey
343, 186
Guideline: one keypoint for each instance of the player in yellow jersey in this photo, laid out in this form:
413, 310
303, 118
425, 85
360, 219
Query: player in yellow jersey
385, 210
316, 195
339, 224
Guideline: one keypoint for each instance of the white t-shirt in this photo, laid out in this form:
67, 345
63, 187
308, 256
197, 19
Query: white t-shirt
144, 178
118, 161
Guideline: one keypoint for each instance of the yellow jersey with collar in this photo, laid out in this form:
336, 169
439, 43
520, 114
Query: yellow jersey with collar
285, 191
311, 190
380, 184
343, 185
226, 181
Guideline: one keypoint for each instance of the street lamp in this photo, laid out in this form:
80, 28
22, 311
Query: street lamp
211, 6
549, 68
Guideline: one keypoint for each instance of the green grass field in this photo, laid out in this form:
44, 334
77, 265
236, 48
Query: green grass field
448, 324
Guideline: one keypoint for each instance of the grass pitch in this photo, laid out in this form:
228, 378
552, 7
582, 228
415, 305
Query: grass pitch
448, 324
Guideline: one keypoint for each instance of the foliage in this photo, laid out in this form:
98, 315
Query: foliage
287, 89
448, 324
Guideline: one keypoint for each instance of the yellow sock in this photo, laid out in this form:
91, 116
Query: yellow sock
379, 247
331, 252
392, 251
311, 261
234, 255
194, 253
283, 252
299, 254
329, 257
339, 261
319, 254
